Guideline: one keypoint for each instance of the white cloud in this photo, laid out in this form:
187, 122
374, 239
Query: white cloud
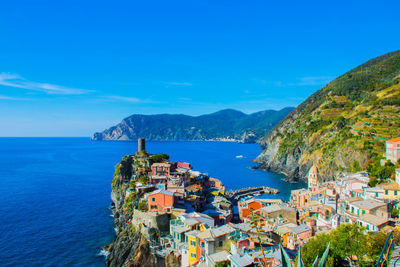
179, 83
124, 98
4, 97
14, 80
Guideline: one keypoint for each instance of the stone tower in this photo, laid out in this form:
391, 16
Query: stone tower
141, 145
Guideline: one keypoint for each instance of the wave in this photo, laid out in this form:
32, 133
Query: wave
104, 253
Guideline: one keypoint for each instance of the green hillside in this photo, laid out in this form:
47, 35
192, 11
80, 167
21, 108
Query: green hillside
342, 126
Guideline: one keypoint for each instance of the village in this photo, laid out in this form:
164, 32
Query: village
192, 215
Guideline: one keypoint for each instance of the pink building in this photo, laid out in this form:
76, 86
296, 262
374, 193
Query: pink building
393, 150
299, 236
161, 169
184, 165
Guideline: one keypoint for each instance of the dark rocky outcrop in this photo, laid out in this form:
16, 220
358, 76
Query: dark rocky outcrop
130, 248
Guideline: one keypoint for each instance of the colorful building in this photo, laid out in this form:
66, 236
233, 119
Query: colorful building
393, 150
161, 169
160, 201
191, 240
391, 190
372, 223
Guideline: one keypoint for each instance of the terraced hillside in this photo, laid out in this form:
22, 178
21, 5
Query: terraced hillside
342, 126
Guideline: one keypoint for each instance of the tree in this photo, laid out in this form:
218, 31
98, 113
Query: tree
346, 241
159, 157
142, 206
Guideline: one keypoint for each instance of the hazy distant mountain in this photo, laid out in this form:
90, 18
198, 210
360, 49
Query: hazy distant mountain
177, 127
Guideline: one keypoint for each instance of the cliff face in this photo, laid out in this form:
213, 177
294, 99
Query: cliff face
221, 124
342, 126
130, 248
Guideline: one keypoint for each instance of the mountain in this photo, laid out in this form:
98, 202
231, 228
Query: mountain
342, 126
222, 124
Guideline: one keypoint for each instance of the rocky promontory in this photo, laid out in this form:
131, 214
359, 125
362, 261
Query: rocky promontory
131, 247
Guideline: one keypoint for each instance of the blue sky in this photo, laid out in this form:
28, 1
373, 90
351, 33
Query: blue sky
70, 68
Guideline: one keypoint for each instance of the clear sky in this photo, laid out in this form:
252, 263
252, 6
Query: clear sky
70, 68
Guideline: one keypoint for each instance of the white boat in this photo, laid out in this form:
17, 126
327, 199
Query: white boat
239, 157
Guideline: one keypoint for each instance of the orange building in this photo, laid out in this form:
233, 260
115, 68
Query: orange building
245, 208
161, 201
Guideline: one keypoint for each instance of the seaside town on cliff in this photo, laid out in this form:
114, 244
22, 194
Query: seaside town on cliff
198, 220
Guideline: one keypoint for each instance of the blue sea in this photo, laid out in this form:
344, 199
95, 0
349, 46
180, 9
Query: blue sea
55, 192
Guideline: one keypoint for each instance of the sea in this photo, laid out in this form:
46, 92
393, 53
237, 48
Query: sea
55, 192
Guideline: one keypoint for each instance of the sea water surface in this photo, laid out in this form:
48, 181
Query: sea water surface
55, 192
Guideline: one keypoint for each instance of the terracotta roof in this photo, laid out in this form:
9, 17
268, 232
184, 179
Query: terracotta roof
394, 140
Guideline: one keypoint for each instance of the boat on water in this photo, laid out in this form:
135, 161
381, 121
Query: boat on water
239, 156
257, 195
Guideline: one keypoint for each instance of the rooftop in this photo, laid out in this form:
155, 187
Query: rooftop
390, 186
368, 204
394, 140
276, 207
180, 228
300, 229
161, 165
192, 233
245, 260
219, 256
161, 191
372, 219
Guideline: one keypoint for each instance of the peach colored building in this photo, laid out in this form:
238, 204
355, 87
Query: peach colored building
393, 150
161, 201
299, 236
300, 198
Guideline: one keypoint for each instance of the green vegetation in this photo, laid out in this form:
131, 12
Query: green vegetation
220, 124
380, 174
344, 125
156, 158
116, 175
142, 206
348, 242
144, 179
222, 264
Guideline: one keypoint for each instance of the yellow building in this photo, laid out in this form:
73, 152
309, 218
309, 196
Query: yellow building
391, 191
191, 238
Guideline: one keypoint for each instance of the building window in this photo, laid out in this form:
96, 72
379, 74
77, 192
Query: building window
363, 212
220, 243
193, 255
386, 192
192, 243
153, 199
395, 193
